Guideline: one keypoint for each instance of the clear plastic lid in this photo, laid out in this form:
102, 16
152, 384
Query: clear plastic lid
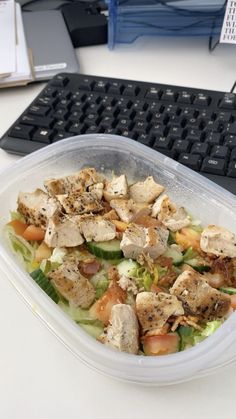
201, 197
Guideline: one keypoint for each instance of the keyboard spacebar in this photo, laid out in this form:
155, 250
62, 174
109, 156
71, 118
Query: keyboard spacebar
20, 146
228, 183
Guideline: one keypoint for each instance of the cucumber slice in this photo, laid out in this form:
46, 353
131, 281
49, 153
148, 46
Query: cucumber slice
106, 250
198, 265
228, 290
175, 254
128, 267
44, 283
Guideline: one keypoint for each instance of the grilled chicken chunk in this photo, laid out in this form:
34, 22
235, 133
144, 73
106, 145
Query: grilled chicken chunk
80, 203
123, 331
172, 217
73, 286
116, 188
97, 229
218, 241
137, 239
63, 231
37, 207
153, 310
97, 190
78, 182
127, 208
198, 297
146, 191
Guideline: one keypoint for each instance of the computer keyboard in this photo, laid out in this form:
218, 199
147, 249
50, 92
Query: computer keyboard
195, 127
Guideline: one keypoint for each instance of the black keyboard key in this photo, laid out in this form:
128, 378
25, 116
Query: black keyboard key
91, 119
115, 88
181, 146
231, 128
50, 91
193, 161
233, 155
175, 133
61, 125
140, 105
39, 110
100, 86
185, 97
193, 135
202, 99
169, 95
171, 110
126, 133
228, 101
232, 169
61, 114
22, 131
163, 143
213, 126
126, 123
92, 129
213, 138
200, 148
43, 135
230, 141
125, 113
189, 113
64, 104
37, 121
60, 80
220, 151
145, 139
224, 117
77, 128
142, 116
153, 93
46, 101
214, 166
86, 84
60, 136
158, 130
75, 116
169, 153
130, 90
159, 118
108, 122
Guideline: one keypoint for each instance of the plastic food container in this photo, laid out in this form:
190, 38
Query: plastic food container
201, 197
130, 19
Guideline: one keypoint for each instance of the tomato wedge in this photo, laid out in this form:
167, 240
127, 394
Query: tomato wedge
161, 344
33, 233
18, 226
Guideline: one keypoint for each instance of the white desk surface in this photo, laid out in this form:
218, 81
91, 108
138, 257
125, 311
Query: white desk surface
39, 378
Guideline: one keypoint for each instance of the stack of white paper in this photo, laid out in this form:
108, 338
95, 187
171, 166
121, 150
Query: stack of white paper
15, 68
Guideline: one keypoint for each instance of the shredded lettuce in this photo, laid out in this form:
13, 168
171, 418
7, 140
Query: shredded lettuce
144, 278
79, 314
58, 255
93, 330
15, 215
190, 336
101, 286
24, 250
190, 254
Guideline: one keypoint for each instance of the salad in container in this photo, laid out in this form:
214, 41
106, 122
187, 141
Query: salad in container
129, 257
